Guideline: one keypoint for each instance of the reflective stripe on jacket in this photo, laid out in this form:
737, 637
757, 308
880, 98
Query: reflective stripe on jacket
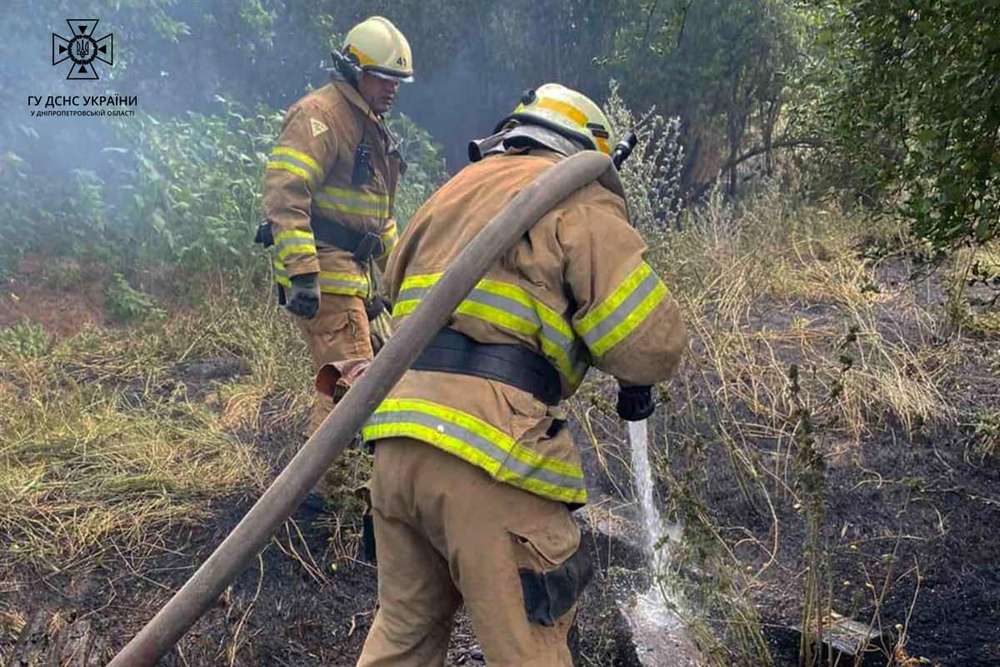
575, 289
308, 176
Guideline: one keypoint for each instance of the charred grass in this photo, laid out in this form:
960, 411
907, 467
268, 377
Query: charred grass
830, 445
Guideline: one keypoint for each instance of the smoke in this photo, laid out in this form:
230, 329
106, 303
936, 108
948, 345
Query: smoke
177, 57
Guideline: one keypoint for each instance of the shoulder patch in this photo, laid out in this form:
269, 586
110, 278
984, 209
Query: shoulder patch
318, 127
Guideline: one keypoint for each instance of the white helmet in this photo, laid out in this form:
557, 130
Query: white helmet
377, 46
565, 111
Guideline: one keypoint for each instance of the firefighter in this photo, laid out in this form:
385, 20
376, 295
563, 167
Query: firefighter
475, 470
329, 188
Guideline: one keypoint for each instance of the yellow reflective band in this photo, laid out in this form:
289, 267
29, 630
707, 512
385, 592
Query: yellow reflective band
486, 430
389, 238
425, 280
299, 249
629, 324
477, 310
299, 156
602, 145
564, 109
479, 443
498, 317
292, 234
608, 306
281, 274
623, 311
349, 193
353, 278
347, 284
294, 242
355, 202
291, 168
403, 308
481, 305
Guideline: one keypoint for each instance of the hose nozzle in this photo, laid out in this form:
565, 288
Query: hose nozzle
624, 148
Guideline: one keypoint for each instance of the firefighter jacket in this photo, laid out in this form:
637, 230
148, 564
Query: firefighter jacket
308, 180
575, 289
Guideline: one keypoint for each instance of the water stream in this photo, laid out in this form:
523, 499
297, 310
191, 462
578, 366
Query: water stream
657, 629
654, 529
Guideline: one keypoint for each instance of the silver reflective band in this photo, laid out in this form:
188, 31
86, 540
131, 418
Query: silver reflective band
624, 309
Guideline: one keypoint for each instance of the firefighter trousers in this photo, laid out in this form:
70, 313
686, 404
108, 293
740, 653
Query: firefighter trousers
446, 533
338, 332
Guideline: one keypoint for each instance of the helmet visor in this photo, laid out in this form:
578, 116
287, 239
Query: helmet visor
387, 76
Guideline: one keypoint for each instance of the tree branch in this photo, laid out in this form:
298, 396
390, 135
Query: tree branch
803, 142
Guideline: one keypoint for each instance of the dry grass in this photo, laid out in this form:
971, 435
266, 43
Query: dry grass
770, 289
108, 440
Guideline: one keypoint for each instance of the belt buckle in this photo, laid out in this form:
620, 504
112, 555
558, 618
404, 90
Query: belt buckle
369, 246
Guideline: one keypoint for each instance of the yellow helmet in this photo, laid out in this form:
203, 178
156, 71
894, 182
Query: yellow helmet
565, 111
377, 46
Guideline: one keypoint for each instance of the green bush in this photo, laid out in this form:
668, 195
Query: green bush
424, 167
195, 199
909, 102
127, 305
185, 192
25, 339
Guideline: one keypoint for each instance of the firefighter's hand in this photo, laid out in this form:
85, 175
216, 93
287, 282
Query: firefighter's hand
375, 307
303, 301
635, 403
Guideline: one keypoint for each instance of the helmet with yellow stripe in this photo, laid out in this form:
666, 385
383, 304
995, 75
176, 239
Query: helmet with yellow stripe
565, 111
378, 47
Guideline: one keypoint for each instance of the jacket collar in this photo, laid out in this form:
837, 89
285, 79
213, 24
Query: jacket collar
354, 97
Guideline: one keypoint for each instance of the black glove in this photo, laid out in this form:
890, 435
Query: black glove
635, 403
375, 307
303, 300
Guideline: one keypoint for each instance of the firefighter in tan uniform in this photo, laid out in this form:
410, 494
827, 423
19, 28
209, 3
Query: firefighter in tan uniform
475, 471
329, 187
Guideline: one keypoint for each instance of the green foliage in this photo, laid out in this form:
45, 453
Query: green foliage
127, 305
14, 186
721, 66
196, 195
179, 191
25, 339
908, 96
424, 167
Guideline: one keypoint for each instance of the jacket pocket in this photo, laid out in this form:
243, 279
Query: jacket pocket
529, 419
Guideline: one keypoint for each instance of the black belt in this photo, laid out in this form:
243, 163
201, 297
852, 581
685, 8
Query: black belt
454, 352
363, 245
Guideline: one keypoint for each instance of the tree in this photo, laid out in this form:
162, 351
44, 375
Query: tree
910, 99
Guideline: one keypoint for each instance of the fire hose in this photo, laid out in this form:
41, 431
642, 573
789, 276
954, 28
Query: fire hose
288, 490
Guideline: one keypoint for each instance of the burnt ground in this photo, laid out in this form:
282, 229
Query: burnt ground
909, 537
309, 598
302, 603
910, 540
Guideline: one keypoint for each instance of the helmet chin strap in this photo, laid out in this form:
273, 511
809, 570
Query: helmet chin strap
346, 67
